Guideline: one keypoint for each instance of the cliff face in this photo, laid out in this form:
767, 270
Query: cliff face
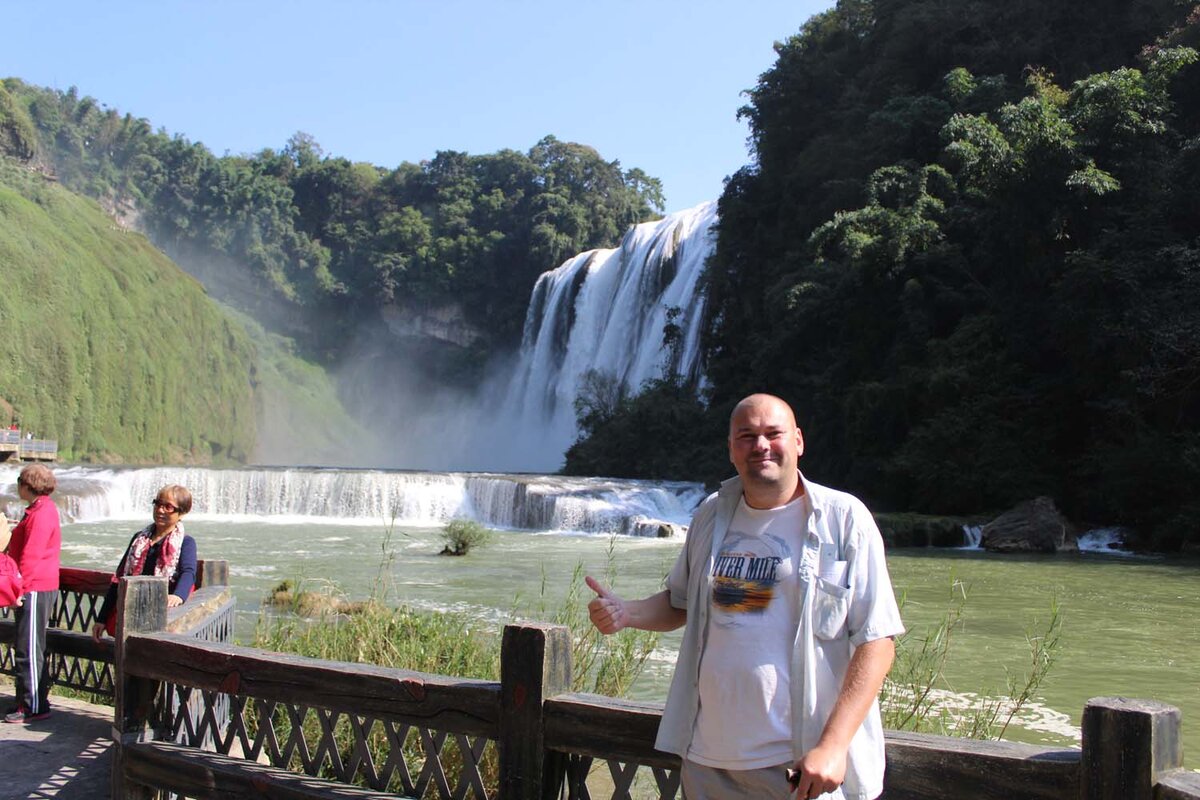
446, 324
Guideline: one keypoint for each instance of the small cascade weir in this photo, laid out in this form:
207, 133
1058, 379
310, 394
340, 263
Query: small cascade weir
603, 313
377, 497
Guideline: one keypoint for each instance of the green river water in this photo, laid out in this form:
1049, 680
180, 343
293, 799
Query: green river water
1131, 626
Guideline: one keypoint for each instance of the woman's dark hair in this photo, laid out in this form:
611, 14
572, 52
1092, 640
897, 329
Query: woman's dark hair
37, 478
177, 496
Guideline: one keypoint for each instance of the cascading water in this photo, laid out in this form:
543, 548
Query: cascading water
375, 497
602, 312
972, 535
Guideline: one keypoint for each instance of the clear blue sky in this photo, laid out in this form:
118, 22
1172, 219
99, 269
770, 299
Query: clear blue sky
655, 84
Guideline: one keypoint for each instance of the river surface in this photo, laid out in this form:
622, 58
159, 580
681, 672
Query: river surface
1130, 627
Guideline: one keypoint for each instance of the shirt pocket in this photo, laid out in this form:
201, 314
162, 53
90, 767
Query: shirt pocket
831, 603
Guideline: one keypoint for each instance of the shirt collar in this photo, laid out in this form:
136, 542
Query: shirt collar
731, 489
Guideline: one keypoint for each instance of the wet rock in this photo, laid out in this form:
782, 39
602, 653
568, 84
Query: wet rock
1035, 526
285, 597
645, 526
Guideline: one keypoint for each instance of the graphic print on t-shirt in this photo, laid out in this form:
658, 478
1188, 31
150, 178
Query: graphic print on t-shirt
746, 575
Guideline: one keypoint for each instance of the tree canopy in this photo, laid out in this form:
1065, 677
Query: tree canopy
312, 241
967, 252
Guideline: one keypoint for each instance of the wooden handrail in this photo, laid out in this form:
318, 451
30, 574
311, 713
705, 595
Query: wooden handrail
210, 776
546, 735
460, 704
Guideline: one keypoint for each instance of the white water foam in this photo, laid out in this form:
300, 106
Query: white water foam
1110, 541
957, 709
373, 497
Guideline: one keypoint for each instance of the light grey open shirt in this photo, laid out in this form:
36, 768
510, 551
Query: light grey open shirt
834, 620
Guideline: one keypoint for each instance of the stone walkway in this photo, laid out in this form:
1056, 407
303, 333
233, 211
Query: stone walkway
67, 756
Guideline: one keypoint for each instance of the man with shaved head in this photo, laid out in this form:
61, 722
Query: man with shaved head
789, 619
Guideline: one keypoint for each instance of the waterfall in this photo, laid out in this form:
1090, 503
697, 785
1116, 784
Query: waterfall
972, 535
375, 497
603, 312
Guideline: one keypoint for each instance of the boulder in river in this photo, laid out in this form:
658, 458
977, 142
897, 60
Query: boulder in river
1035, 526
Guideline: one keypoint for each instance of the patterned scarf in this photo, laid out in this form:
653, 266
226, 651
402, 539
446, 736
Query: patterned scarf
139, 548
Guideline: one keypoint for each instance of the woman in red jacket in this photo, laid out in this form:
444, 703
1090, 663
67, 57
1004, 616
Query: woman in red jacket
35, 544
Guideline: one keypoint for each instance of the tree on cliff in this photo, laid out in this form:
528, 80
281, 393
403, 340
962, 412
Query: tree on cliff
967, 251
973, 275
320, 240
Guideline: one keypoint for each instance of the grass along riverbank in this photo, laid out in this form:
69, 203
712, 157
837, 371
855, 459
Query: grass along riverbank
462, 645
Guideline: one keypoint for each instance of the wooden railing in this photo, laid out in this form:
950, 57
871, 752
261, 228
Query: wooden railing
78, 662
306, 728
1130, 750
202, 718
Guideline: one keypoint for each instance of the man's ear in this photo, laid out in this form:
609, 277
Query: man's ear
799, 443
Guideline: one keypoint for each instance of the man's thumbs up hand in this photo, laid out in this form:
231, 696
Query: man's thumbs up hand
606, 610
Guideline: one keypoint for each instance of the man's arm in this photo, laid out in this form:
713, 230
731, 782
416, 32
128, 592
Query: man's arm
823, 768
609, 613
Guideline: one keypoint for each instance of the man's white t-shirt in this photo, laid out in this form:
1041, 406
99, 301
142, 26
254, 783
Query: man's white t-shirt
745, 719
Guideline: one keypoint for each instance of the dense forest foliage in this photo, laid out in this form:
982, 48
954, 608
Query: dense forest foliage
311, 243
968, 251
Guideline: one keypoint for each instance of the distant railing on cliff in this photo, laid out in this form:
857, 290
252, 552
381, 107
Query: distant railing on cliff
13, 443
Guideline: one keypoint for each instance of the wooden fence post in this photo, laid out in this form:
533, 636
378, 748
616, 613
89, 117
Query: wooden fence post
213, 572
535, 664
1127, 746
141, 608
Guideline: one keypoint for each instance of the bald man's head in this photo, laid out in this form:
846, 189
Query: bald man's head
765, 445
761, 400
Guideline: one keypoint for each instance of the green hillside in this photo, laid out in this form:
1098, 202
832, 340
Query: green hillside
107, 346
113, 350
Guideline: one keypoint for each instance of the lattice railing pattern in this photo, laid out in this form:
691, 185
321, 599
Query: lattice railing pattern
75, 611
357, 749
84, 674
219, 626
213, 712
626, 780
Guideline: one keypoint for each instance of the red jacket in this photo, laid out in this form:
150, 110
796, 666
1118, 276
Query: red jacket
35, 543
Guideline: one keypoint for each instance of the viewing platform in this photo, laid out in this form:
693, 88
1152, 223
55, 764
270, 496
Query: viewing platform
67, 755
197, 716
20, 446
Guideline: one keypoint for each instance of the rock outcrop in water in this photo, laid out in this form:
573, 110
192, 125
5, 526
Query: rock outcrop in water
1035, 526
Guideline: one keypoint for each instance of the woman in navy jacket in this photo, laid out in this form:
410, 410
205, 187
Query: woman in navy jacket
161, 548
